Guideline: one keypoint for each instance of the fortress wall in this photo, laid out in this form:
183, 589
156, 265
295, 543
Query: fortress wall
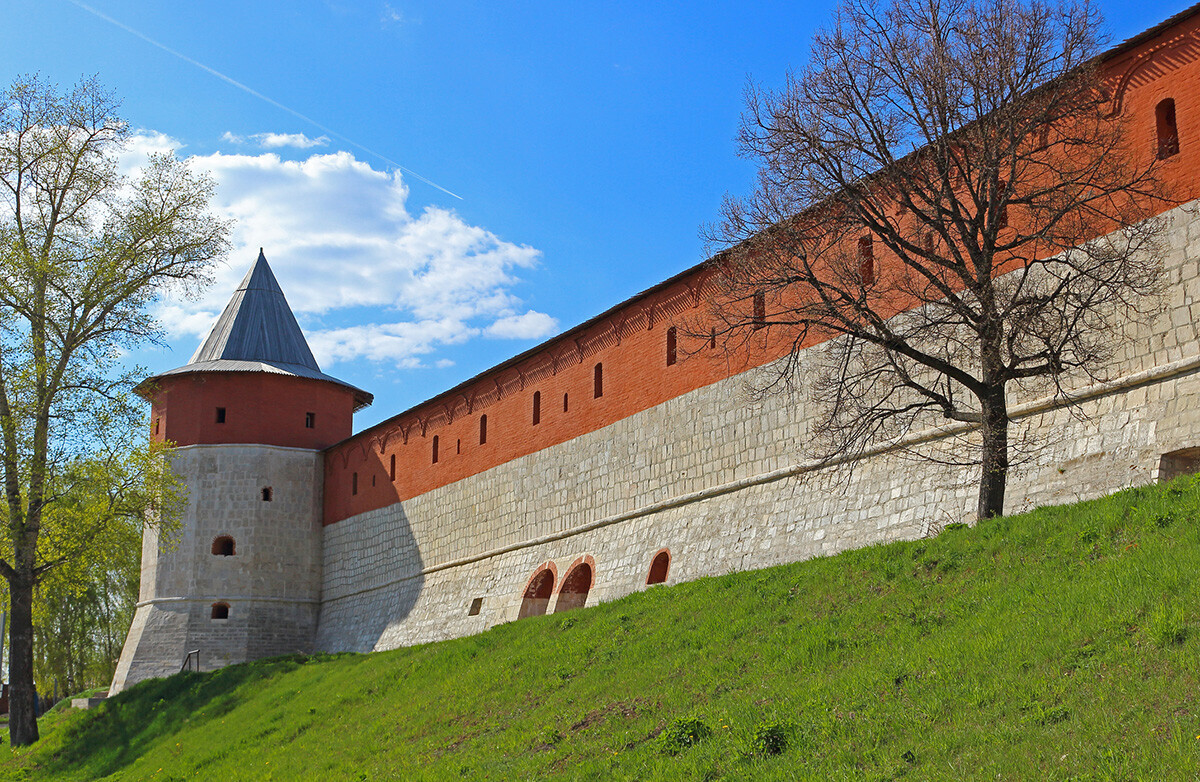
721, 481
630, 339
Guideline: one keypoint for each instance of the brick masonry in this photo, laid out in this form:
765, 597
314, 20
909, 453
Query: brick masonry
271, 583
673, 457
722, 482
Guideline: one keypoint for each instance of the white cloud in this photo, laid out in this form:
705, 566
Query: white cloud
297, 140
531, 325
277, 140
390, 15
347, 250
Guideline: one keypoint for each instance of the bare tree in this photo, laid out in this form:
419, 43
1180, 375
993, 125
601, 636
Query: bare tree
948, 194
84, 252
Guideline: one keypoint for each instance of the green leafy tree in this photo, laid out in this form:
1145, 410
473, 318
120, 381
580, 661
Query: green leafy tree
82, 608
84, 252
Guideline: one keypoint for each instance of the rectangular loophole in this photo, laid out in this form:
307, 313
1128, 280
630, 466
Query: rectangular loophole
476, 607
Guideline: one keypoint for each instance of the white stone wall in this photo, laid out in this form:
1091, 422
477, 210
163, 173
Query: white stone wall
272, 582
723, 484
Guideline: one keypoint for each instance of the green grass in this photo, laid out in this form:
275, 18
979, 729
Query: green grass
1057, 645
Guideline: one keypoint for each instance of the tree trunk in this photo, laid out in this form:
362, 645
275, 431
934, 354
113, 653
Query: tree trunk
994, 474
22, 703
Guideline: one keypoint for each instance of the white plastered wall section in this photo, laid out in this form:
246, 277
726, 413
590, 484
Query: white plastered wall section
722, 483
271, 583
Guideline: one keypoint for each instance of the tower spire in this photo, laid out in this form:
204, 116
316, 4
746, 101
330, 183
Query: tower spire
257, 325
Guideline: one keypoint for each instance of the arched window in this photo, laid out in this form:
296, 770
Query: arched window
267, 494
659, 567
1168, 133
671, 352
575, 587
435, 449
537, 407
598, 381
222, 546
866, 260
220, 611
482, 429
537, 594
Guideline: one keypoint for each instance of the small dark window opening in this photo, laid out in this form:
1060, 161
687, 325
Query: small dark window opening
157, 421
598, 381
866, 260
392, 468
1002, 193
310, 420
564, 403
1043, 141
223, 546
220, 415
760, 310
929, 243
712, 338
476, 607
671, 346
435, 449
537, 407
658, 568
372, 480
354, 483
220, 610
458, 446
267, 494
482, 429
1168, 134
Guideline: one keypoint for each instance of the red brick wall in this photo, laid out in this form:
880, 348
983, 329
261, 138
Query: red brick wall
631, 342
259, 407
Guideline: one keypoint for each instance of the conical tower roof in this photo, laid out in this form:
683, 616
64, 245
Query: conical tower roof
257, 332
257, 325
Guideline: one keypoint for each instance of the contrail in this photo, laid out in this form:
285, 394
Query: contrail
258, 95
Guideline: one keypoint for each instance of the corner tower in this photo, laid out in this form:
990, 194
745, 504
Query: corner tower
250, 414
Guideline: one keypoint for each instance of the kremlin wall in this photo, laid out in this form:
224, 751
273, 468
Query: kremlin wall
620, 454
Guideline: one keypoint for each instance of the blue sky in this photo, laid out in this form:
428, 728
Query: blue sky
584, 144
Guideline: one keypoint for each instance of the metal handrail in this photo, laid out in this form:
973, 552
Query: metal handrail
187, 661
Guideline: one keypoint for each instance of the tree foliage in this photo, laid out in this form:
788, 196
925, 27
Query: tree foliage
84, 251
948, 194
82, 607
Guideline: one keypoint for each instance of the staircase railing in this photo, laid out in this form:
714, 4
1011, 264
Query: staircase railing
191, 662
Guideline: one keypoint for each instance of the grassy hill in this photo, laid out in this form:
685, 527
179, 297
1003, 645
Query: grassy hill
1055, 645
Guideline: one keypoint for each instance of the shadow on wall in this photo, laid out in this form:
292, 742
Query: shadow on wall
372, 579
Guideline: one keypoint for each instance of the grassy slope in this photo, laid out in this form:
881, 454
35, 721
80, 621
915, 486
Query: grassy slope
1052, 645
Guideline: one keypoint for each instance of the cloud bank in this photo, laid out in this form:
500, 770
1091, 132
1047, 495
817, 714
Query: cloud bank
366, 277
